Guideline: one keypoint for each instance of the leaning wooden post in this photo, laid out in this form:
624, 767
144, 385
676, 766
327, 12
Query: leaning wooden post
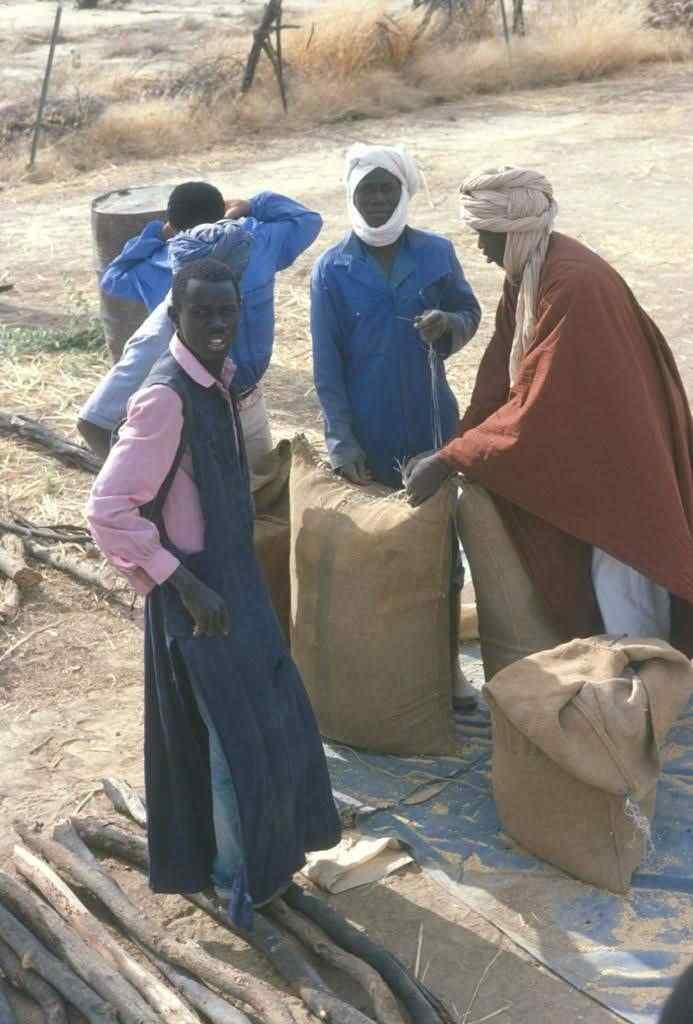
46, 79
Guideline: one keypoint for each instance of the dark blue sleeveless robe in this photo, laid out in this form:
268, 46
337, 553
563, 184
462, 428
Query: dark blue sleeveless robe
247, 680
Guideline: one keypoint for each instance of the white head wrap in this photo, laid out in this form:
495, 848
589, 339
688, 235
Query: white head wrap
360, 161
518, 203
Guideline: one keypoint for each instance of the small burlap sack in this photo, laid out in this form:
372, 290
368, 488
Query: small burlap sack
272, 529
512, 619
577, 733
371, 610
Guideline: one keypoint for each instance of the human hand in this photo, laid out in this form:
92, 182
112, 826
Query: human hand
237, 208
167, 231
206, 608
425, 478
357, 472
432, 325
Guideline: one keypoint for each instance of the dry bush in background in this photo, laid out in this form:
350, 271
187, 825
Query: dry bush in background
353, 60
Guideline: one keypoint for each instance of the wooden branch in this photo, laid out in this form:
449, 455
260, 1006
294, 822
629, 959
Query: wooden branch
422, 1006
11, 602
77, 569
7, 1014
26, 980
36, 957
75, 914
282, 952
384, 1003
60, 447
61, 533
13, 563
212, 1006
82, 868
126, 800
107, 837
259, 36
50, 928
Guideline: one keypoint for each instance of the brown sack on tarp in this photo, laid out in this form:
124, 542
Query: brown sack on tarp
272, 529
513, 621
577, 737
371, 610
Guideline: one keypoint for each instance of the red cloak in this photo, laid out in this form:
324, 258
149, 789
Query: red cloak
592, 446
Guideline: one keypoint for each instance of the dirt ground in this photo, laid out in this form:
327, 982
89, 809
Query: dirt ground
619, 154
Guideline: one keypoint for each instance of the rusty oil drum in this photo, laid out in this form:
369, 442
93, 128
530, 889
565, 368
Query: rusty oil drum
116, 217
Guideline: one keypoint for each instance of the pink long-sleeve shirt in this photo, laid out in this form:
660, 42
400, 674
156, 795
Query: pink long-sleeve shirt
133, 474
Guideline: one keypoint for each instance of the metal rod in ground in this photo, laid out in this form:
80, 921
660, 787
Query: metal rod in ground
44, 87
280, 57
504, 18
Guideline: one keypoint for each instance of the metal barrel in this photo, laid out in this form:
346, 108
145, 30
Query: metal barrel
116, 217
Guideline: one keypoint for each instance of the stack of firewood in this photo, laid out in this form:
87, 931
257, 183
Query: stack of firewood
62, 546
59, 951
22, 541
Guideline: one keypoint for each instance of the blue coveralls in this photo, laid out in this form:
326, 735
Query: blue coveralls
281, 230
246, 682
371, 368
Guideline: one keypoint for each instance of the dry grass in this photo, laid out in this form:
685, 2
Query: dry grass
577, 42
354, 61
358, 40
49, 387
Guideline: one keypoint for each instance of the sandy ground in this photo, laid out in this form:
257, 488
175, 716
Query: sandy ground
619, 154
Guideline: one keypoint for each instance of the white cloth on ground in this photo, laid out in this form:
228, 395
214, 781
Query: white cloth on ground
630, 603
355, 861
361, 159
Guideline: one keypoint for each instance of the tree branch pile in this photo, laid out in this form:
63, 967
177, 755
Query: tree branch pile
71, 936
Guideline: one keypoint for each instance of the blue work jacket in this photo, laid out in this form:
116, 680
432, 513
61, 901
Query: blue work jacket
281, 230
372, 370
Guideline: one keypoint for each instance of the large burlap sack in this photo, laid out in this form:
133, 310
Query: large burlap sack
371, 610
577, 734
272, 529
513, 621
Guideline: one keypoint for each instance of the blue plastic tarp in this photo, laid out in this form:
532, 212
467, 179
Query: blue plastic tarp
623, 951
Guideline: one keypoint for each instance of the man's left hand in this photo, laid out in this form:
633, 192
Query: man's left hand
432, 325
426, 478
236, 209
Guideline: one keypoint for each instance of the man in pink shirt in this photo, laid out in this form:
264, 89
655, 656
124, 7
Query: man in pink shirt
237, 784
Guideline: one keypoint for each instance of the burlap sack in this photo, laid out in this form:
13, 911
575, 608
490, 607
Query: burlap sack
512, 619
577, 733
371, 610
272, 529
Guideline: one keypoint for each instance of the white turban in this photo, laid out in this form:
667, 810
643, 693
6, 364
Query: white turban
518, 203
360, 161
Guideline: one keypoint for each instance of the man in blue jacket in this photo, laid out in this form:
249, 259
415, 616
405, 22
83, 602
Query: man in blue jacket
142, 271
258, 238
388, 305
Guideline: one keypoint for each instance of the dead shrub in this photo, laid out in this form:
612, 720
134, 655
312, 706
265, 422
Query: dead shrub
353, 63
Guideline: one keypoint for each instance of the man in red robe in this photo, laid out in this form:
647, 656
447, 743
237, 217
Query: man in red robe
579, 426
